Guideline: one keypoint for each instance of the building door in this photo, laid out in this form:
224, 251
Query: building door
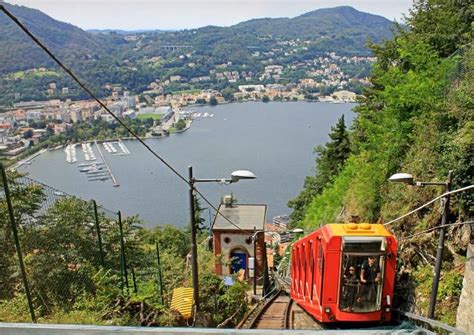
239, 261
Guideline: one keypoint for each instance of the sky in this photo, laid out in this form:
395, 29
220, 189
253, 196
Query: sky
186, 14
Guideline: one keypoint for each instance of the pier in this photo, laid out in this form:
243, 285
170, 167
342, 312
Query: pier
114, 181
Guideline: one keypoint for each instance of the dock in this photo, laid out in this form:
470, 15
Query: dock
114, 181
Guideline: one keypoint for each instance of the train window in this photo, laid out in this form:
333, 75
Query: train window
363, 244
304, 272
361, 282
311, 270
320, 271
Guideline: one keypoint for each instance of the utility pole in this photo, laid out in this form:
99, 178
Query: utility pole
439, 253
194, 263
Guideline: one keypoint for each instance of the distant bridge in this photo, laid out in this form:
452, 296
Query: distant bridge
176, 47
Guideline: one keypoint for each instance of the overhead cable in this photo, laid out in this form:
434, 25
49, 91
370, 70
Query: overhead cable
435, 228
429, 203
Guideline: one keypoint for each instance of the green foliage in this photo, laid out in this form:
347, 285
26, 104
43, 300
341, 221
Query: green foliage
180, 125
15, 309
25, 201
220, 302
68, 282
453, 28
329, 161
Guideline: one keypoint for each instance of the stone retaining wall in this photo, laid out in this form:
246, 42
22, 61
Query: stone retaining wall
465, 315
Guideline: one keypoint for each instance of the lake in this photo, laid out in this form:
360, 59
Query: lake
274, 140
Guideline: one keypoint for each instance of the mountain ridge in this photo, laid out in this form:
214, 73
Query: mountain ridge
135, 60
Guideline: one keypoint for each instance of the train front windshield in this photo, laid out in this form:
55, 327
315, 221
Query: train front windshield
362, 272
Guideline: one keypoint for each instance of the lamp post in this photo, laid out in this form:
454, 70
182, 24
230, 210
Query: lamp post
234, 177
408, 179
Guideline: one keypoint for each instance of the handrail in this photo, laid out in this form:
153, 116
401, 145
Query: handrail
432, 323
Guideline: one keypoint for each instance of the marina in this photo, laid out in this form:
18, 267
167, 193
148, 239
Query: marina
114, 181
93, 169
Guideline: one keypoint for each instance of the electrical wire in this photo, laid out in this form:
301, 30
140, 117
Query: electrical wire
434, 228
429, 203
130, 131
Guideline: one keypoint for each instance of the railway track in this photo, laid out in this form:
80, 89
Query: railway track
270, 313
277, 311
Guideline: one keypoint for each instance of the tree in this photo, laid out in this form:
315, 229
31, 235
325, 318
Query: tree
28, 134
180, 124
329, 161
26, 199
453, 27
213, 101
265, 98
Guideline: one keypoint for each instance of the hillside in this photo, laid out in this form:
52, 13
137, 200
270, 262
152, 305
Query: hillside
329, 23
343, 30
417, 118
340, 29
19, 52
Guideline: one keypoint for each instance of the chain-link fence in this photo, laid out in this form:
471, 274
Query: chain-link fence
54, 246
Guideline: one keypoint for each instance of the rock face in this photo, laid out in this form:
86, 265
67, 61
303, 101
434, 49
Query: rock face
465, 315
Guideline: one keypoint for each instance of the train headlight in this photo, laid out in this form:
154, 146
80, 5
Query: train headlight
387, 309
327, 310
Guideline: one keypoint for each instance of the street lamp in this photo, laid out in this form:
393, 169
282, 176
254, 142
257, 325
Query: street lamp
408, 179
234, 177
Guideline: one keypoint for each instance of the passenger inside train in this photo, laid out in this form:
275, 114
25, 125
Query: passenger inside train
361, 287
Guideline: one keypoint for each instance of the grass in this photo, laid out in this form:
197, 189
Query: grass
149, 116
187, 91
24, 74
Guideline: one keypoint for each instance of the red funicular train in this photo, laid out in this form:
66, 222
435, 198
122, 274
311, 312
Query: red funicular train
345, 272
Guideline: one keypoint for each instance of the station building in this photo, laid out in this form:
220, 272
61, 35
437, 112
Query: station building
233, 244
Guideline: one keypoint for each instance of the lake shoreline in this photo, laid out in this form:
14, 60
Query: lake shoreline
275, 141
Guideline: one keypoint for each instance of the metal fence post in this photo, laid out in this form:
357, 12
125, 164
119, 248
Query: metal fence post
160, 280
254, 260
17, 243
122, 251
132, 271
99, 239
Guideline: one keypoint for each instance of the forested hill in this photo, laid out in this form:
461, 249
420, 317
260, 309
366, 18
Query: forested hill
343, 30
333, 24
20, 53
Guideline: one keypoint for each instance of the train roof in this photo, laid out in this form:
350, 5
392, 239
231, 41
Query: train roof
356, 229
